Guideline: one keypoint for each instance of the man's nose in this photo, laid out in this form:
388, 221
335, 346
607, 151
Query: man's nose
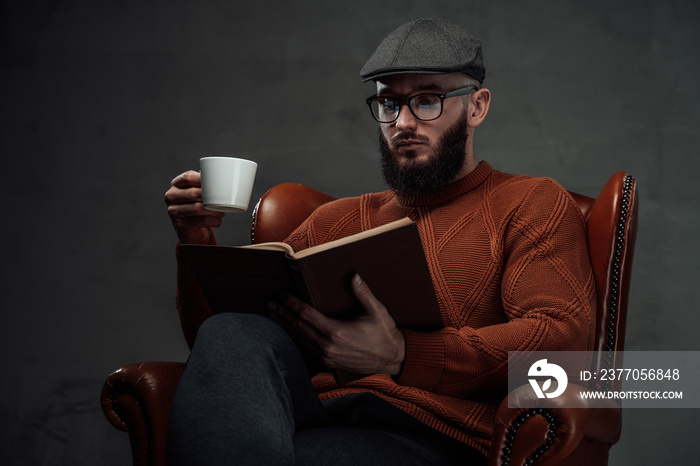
406, 120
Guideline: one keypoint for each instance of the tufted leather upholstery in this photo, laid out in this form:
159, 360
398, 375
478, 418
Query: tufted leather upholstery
137, 397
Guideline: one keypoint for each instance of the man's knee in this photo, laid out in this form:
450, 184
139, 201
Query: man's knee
228, 324
237, 332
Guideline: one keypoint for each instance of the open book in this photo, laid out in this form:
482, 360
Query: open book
389, 259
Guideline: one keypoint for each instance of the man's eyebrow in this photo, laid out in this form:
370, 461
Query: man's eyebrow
430, 87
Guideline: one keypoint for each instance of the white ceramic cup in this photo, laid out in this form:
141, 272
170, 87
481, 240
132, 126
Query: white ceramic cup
227, 183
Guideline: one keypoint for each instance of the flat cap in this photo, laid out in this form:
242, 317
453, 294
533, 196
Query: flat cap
426, 46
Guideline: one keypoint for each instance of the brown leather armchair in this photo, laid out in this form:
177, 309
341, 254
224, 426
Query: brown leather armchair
136, 398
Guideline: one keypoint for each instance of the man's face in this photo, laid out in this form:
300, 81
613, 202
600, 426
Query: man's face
422, 156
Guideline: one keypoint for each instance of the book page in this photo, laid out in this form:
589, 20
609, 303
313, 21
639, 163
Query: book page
273, 246
352, 238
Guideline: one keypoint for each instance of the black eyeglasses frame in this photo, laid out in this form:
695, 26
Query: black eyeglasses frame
406, 101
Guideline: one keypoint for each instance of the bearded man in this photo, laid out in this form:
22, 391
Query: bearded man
509, 264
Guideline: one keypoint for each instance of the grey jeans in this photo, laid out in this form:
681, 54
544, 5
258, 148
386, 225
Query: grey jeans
246, 399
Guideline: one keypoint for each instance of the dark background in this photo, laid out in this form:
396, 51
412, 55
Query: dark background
103, 103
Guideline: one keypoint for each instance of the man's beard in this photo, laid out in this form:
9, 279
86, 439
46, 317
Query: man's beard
444, 165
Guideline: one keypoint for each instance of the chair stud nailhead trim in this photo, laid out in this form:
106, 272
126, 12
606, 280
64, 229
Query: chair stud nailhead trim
510, 437
615, 280
252, 223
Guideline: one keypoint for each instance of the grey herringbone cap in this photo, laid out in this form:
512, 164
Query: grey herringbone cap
426, 46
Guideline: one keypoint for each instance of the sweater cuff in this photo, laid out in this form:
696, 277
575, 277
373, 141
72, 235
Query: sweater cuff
184, 272
424, 363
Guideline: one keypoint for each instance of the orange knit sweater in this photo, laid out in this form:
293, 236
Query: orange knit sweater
510, 267
509, 262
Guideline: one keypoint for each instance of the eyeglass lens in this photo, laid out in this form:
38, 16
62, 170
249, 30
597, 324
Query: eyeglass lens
423, 107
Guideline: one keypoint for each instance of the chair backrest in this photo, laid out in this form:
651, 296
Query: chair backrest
611, 220
282, 209
612, 233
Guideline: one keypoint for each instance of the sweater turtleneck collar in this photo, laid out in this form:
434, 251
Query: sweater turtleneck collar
461, 186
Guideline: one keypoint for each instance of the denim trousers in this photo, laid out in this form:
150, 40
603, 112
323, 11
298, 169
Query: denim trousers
246, 398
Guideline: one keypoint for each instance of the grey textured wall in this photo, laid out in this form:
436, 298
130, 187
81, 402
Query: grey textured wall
103, 103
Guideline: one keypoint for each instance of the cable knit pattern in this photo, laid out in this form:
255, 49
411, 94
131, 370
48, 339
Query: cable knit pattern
509, 263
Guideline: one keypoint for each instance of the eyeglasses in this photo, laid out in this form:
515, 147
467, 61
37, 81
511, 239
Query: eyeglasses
425, 107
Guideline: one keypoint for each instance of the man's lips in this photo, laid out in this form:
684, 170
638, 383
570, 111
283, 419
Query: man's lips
408, 143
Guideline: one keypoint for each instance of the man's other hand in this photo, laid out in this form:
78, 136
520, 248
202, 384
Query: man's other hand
191, 220
368, 344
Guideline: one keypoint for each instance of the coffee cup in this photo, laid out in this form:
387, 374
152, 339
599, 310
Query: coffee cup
227, 183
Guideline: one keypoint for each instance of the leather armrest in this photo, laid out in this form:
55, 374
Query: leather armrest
136, 399
554, 431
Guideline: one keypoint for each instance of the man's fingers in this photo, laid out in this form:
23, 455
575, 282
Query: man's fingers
188, 179
282, 312
195, 209
367, 299
178, 195
191, 222
307, 319
288, 314
184, 188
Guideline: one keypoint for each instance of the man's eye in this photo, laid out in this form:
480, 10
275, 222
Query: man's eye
388, 105
426, 100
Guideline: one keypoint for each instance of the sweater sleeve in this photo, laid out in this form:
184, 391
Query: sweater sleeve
336, 219
547, 297
192, 307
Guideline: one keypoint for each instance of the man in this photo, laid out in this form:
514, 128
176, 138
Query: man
509, 264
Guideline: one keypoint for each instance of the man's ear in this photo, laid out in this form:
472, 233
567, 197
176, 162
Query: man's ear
480, 102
